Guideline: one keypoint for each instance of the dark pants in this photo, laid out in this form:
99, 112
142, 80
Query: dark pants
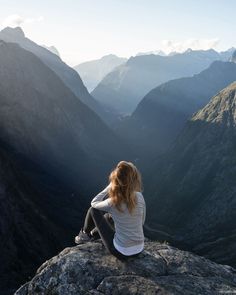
101, 223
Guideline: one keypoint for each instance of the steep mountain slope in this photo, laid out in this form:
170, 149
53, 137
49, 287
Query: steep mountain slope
28, 235
68, 75
92, 72
193, 186
55, 154
44, 120
163, 112
122, 89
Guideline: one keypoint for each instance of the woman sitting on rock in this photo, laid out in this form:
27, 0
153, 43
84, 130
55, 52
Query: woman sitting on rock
121, 228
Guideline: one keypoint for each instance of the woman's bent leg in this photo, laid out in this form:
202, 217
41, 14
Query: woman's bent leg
106, 232
89, 224
95, 233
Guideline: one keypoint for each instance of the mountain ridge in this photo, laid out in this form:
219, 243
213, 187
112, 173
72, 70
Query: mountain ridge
92, 72
68, 75
162, 113
122, 89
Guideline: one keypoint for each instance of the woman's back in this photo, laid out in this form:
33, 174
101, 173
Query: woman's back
123, 199
129, 226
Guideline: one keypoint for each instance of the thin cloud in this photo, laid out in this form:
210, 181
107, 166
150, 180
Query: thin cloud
195, 44
16, 20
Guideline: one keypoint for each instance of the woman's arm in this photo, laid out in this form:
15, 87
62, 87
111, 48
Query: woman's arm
144, 212
98, 201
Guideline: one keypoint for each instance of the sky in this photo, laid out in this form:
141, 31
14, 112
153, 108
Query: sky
84, 30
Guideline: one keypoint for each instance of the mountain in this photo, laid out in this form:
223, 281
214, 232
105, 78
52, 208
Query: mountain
192, 187
226, 55
45, 120
28, 235
68, 75
159, 269
55, 154
162, 113
92, 72
122, 89
233, 58
156, 52
53, 49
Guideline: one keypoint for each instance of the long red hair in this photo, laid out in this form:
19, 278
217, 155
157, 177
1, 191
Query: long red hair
125, 180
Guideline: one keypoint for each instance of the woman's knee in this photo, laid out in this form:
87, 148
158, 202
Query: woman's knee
94, 211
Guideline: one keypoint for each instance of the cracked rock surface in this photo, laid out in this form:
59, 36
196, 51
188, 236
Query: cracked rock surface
159, 269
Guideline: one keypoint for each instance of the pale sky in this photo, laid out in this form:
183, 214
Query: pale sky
83, 30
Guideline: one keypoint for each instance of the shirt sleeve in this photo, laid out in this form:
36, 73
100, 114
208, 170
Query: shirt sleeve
144, 212
101, 202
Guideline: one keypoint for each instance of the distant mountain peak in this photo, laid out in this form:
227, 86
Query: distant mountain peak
17, 32
109, 56
155, 52
233, 58
2, 42
189, 50
52, 49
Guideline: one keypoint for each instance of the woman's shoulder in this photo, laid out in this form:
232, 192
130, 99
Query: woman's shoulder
140, 197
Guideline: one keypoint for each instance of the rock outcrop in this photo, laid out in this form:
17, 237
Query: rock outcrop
159, 269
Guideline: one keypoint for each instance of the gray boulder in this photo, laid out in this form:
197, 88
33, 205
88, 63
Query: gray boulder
159, 269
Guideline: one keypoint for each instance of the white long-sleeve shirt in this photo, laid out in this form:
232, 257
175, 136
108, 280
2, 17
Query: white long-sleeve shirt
129, 237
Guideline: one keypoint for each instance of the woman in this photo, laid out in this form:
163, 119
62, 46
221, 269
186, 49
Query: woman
122, 199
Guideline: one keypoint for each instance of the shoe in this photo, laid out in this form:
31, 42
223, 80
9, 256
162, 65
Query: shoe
94, 234
82, 237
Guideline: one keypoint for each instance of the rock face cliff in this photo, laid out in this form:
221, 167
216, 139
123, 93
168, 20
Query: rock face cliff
159, 269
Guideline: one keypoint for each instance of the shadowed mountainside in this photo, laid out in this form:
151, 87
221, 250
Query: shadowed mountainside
192, 187
44, 120
31, 227
55, 154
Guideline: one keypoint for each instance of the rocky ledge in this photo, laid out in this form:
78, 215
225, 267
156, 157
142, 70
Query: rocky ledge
159, 269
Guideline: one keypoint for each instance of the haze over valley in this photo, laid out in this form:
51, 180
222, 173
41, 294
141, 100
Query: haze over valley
67, 120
